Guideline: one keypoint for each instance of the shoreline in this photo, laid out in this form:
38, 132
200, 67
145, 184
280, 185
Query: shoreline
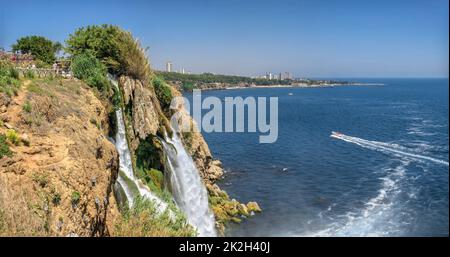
295, 86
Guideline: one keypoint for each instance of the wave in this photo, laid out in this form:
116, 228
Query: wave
387, 148
379, 215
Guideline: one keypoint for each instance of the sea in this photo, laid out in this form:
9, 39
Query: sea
384, 174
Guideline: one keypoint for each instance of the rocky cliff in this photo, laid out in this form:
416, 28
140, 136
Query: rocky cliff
58, 178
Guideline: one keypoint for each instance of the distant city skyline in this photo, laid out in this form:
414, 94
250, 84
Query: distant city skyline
337, 39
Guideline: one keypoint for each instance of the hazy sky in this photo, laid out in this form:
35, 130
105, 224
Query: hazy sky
308, 38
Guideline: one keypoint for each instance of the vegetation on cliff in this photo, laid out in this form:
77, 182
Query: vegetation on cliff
4, 147
144, 220
163, 92
114, 47
41, 48
9, 78
88, 68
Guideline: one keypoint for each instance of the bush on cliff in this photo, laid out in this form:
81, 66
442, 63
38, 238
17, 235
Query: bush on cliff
89, 69
144, 220
9, 78
114, 47
188, 86
163, 92
148, 154
4, 147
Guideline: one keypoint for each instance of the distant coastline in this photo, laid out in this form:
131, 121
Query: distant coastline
304, 86
209, 81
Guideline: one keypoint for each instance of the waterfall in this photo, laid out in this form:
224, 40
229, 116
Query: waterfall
127, 179
187, 187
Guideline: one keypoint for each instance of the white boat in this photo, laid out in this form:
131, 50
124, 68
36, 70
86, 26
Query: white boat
336, 134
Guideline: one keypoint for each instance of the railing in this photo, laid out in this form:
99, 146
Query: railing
42, 73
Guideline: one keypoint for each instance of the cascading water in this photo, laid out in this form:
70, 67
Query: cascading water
127, 179
187, 187
127, 168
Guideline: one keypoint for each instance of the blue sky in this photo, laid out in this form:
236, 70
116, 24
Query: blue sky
329, 38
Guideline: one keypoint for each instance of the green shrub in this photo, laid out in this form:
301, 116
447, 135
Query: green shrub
41, 179
75, 198
56, 198
187, 86
12, 136
29, 74
149, 154
34, 88
163, 92
4, 147
89, 69
13, 73
27, 107
9, 83
144, 220
157, 177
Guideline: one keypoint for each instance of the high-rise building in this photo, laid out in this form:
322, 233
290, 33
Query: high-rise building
288, 75
285, 75
169, 66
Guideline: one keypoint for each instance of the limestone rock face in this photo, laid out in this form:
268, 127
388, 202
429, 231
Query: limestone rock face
59, 179
145, 109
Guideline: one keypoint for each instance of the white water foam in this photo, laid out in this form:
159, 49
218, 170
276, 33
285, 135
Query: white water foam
378, 217
125, 165
388, 148
187, 187
383, 214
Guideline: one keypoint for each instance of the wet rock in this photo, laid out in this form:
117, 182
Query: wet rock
242, 208
253, 207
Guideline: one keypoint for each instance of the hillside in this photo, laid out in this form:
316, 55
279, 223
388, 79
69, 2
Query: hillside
61, 170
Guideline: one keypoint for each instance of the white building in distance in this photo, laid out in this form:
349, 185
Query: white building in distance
169, 66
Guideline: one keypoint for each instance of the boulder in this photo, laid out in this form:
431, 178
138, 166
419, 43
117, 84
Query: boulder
253, 207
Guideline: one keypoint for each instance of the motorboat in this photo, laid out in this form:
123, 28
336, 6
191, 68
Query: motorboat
336, 134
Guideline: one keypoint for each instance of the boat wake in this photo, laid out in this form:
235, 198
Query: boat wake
387, 148
380, 215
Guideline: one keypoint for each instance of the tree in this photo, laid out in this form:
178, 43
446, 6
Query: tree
100, 41
39, 47
114, 47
